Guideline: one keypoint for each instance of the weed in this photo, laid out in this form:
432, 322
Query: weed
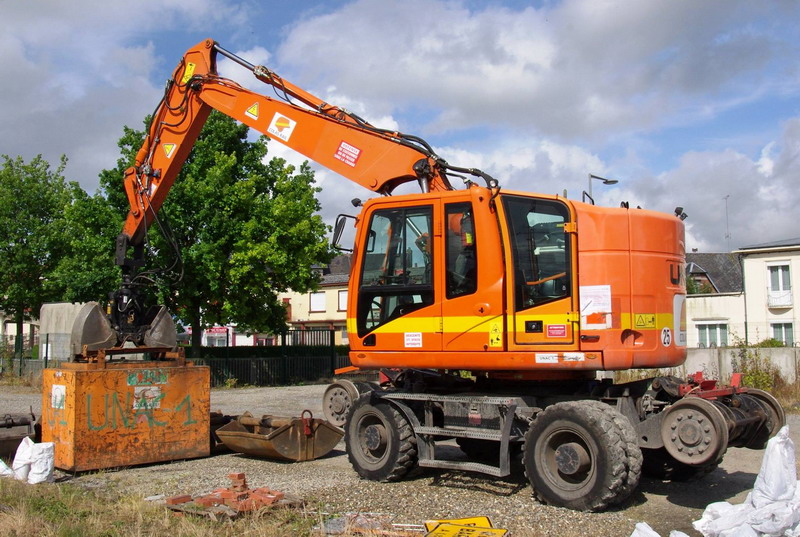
757, 370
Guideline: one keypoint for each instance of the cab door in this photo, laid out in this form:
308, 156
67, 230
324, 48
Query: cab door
397, 303
541, 296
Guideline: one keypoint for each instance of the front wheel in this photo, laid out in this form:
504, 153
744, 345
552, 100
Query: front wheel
576, 456
380, 443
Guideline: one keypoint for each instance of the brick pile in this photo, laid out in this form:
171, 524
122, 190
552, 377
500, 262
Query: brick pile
239, 496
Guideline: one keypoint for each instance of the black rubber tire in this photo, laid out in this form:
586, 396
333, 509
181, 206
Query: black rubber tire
380, 443
581, 427
659, 464
635, 458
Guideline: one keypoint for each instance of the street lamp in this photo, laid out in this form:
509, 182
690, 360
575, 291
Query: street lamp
603, 179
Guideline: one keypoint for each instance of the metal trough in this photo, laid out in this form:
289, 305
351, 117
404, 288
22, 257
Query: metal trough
276, 437
13, 428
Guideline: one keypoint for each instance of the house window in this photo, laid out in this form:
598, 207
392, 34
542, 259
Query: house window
783, 332
317, 302
345, 336
712, 335
780, 286
342, 300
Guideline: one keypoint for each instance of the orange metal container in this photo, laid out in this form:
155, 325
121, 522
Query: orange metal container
106, 415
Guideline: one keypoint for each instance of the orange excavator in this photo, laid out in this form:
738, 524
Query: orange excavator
488, 312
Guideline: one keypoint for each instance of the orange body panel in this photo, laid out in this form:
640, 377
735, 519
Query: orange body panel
125, 414
623, 307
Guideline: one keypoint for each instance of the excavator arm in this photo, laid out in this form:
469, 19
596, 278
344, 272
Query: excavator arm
377, 159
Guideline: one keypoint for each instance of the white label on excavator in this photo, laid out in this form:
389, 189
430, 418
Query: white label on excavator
413, 339
347, 153
281, 127
546, 358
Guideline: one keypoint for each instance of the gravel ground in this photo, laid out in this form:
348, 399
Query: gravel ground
331, 485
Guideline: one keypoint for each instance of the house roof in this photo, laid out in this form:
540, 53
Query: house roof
722, 269
775, 244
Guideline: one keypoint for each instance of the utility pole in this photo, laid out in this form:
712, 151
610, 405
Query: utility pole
727, 228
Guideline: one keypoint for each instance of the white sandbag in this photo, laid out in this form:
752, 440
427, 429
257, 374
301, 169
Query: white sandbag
721, 517
5, 471
676, 533
777, 479
772, 508
21, 464
643, 529
43, 457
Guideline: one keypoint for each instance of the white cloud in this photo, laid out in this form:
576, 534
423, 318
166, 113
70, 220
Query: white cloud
573, 69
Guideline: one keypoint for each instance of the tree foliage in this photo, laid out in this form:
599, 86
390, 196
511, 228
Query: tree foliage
246, 229
32, 202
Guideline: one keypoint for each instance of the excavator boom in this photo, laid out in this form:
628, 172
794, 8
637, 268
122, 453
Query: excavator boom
377, 159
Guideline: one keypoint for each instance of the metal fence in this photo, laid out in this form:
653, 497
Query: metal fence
298, 356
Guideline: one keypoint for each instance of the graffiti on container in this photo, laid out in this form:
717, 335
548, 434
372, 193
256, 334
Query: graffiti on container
147, 377
128, 411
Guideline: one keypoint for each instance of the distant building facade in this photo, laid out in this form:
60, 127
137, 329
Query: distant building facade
744, 296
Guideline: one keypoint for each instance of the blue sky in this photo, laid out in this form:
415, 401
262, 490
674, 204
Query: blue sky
683, 102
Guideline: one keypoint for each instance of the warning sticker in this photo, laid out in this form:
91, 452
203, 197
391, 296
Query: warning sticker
574, 357
169, 149
495, 335
644, 320
413, 339
281, 127
252, 111
188, 73
556, 330
546, 358
347, 153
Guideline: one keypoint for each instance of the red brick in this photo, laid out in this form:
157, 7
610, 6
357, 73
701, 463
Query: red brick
239, 475
176, 500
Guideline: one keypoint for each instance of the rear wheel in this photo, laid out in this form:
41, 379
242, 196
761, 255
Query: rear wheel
776, 418
576, 456
380, 443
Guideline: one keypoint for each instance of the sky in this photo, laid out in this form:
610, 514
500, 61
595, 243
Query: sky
684, 103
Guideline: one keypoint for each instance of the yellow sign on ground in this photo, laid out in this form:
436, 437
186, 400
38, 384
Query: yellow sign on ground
477, 521
455, 530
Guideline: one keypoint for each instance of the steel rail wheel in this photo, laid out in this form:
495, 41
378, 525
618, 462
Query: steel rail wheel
380, 443
576, 456
695, 432
776, 418
337, 400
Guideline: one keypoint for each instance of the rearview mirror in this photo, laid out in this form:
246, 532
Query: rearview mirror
338, 229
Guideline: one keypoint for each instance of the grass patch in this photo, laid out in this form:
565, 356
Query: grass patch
65, 510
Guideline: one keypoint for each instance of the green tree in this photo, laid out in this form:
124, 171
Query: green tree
33, 199
87, 270
246, 229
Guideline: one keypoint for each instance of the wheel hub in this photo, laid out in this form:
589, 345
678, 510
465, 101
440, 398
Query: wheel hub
374, 437
338, 403
572, 458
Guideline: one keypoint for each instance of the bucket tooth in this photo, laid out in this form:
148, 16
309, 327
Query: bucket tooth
91, 328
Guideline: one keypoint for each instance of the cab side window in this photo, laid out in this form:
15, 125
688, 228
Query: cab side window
540, 250
460, 256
